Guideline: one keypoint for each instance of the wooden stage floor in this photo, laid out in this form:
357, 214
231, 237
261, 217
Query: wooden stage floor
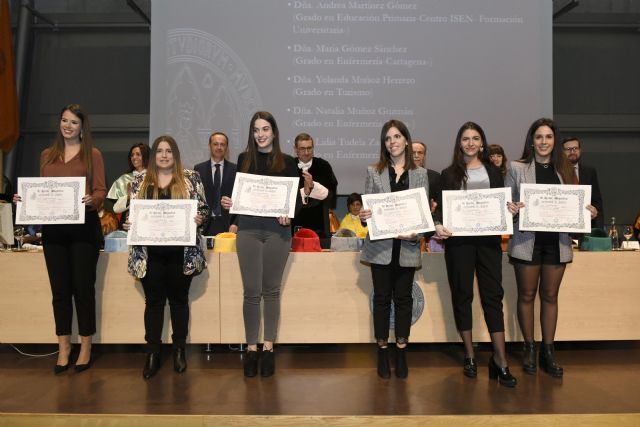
321, 380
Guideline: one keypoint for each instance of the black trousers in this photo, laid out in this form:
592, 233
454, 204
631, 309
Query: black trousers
482, 255
392, 282
71, 253
165, 280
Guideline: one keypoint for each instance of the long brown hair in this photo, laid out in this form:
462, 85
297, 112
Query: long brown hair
558, 158
56, 151
177, 186
385, 156
275, 158
458, 167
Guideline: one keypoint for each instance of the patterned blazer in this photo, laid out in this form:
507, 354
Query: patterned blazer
194, 261
521, 243
379, 251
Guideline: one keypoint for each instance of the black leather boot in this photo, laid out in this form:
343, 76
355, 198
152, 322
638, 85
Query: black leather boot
502, 374
152, 365
470, 369
548, 361
529, 357
179, 360
250, 364
267, 363
384, 371
402, 370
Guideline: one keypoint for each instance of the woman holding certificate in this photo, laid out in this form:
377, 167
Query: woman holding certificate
263, 244
166, 271
71, 250
393, 261
471, 169
539, 258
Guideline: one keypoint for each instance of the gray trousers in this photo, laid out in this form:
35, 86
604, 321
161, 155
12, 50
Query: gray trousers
263, 248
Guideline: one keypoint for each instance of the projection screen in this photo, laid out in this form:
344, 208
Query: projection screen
339, 69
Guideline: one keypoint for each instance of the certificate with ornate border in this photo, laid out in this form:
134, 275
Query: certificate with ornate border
164, 222
477, 212
553, 207
398, 213
261, 195
51, 200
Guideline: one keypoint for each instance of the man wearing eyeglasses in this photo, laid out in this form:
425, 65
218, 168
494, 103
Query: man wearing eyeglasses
587, 175
320, 179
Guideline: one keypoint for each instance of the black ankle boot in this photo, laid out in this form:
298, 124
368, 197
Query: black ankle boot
267, 363
402, 370
151, 366
502, 374
529, 357
250, 364
470, 369
179, 360
548, 361
384, 371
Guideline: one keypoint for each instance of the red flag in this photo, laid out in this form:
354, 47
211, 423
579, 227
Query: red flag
9, 123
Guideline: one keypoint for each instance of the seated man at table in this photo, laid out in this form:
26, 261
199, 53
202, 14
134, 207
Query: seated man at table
323, 183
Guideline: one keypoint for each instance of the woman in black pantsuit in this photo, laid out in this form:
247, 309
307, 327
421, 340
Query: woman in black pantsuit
71, 250
482, 255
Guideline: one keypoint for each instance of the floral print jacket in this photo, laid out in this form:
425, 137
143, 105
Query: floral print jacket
194, 261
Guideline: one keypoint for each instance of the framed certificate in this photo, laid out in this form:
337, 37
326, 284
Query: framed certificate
260, 195
553, 207
51, 200
477, 212
398, 213
162, 222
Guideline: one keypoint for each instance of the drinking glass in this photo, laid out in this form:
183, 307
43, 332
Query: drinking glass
627, 232
18, 232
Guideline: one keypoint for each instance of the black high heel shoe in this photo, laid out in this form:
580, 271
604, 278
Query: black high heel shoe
267, 363
529, 357
402, 369
470, 369
152, 365
58, 369
250, 364
502, 374
384, 371
83, 366
179, 360
548, 361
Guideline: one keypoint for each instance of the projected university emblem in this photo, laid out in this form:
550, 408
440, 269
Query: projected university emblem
416, 310
209, 88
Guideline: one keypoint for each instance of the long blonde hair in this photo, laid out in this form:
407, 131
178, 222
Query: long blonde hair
177, 186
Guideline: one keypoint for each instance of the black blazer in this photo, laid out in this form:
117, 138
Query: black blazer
226, 188
589, 176
434, 184
496, 180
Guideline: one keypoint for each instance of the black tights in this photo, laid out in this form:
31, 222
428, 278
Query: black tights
549, 277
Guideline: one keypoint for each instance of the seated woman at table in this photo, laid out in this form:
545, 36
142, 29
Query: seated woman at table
393, 261
351, 220
71, 250
467, 256
118, 194
498, 158
166, 271
539, 258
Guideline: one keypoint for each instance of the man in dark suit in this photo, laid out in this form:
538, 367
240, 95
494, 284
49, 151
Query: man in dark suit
218, 175
587, 175
419, 159
319, 177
